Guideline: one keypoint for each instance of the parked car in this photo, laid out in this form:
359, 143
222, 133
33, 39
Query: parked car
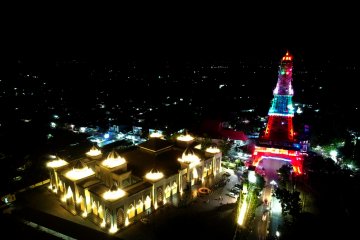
231, 194
226, 174
144, 220
239, 186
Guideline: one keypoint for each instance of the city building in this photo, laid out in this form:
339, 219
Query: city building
114, 190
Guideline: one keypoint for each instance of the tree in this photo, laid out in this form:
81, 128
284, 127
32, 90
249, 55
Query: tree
290, 201
205, 143
284, 172
225, 147
260, 181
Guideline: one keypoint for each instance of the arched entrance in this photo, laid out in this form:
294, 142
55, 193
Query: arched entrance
101, 212
94, 208
139, 207
147, 202
131, 211
82, 204
292, 156
70, 200
160, 196
108, 217
174, 188
120, 217
269, 167
167, 191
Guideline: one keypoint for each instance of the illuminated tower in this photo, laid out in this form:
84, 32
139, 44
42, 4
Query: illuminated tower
279, 127
277, 141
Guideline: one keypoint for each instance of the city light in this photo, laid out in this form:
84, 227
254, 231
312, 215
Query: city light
252, 177
241, 217
113, 160
189, 158
212, 150
333, 155
93, 152
114, 195
156, 135
76, 174
154, 175
56, 163
185, 138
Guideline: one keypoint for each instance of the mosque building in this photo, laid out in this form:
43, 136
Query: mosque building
113, 190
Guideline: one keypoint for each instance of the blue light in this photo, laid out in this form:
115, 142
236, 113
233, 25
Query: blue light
296, 145
106, 135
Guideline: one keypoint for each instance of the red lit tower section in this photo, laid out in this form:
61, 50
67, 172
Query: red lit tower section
278, 136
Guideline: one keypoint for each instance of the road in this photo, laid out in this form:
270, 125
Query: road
268, 215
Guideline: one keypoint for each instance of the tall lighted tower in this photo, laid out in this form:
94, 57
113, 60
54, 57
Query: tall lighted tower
279, 128
277, 141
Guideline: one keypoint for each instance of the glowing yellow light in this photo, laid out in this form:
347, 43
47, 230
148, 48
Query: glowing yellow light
212, 150
56, 163
127, 221
69, 193
241, 217
155, 206
63, 199
190, 158
84, 214
113, 229
185, 138
195, 173
156, 135
103, 224
93, 152
112, 162
76, 174
50, 186
113, 195
152, 175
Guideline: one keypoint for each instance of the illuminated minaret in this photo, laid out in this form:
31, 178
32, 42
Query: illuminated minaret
279, 127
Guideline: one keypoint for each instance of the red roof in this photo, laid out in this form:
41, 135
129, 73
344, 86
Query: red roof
214, 129
233, 135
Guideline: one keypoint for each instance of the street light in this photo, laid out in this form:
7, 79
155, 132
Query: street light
333, 155
273, 183
252, 176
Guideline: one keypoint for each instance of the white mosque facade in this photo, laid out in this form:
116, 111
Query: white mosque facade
115, 190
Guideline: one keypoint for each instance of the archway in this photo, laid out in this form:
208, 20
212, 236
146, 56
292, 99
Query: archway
139, 207
101, 212
108, 217
70, 200
160, 196
82, 203
94, 208
167, 191
292, 156
174, 188
147, 202
131, 211
120, 218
